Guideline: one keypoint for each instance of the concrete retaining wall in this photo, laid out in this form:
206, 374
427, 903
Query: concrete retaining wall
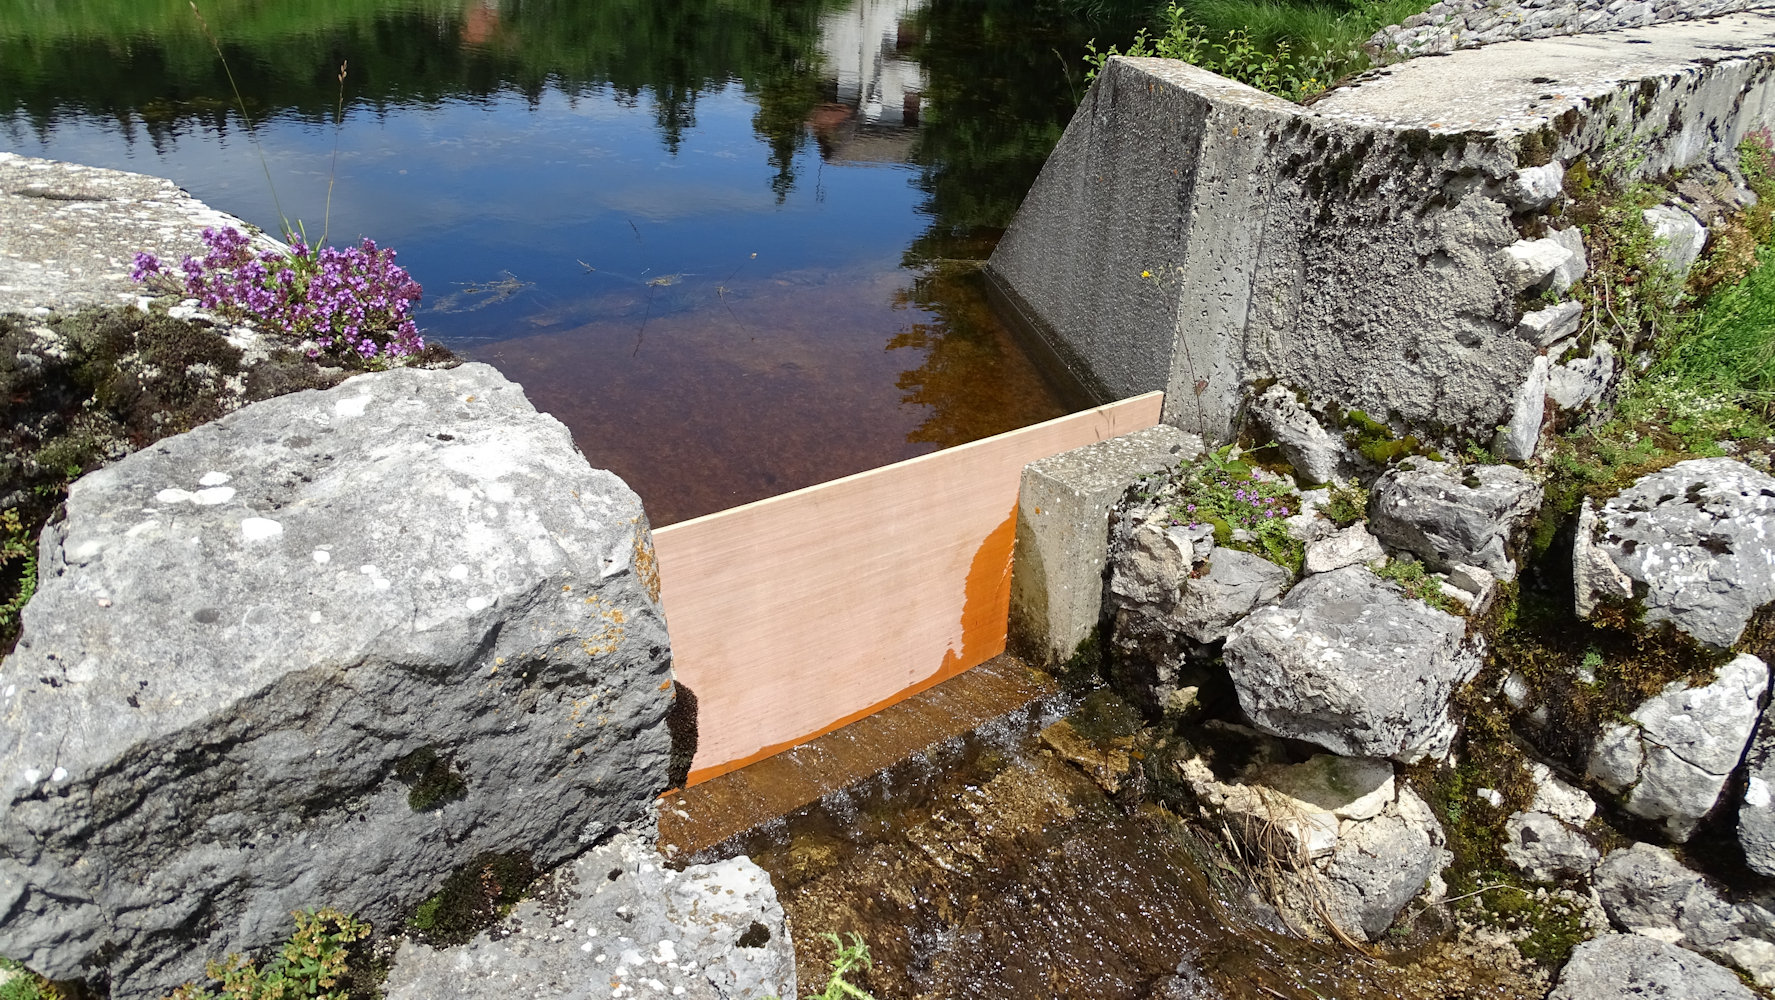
1195, 235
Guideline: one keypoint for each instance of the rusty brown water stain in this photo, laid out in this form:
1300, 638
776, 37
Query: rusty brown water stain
810, 378
732, 803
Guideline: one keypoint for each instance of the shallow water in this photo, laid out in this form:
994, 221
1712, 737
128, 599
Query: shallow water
987, 866
731, 243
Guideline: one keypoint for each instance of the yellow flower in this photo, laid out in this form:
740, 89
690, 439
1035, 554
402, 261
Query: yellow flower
1146, 274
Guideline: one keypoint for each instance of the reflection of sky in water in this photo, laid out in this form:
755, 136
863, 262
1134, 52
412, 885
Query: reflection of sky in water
709, 339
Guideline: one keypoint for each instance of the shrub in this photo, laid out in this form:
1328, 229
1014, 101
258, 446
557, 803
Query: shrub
310, 964
1232, 497
353, 304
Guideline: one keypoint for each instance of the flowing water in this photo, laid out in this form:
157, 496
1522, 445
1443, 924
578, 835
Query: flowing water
732, 244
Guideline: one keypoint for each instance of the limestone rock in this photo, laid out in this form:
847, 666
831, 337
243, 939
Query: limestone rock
1545, 848
1347, 662
1534, 188
1550, 324
1444, 515
1630, 967
618, 919
1594, 574
324, 650
1673, 760
1698, 538
1179, 577
1645, 890
1558, 799
1582, 381
1317, 456
1381, 864
1521, 434
1756, 813
1681, 237
1553, 263
1348, 547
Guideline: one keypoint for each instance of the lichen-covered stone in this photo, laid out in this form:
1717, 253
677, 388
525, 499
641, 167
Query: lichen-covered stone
1347, 662
1445, 514
1695, 541
1631, 967
1645, 890
620, 922
1672, 760
321, 652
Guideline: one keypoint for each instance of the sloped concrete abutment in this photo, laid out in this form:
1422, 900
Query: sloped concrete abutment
1195, 235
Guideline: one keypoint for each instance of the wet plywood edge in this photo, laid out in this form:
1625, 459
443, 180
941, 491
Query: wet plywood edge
707, 814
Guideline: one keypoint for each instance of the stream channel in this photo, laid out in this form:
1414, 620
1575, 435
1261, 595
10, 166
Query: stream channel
734, 245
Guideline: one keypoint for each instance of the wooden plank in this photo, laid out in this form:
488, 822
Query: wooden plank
793, 616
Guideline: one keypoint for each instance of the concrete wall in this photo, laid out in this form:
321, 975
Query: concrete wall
1195, 235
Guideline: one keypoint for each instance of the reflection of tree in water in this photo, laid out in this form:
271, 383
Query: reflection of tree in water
145, 65
1003, 79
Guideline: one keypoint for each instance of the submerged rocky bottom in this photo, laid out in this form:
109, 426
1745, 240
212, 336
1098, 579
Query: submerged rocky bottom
995, 865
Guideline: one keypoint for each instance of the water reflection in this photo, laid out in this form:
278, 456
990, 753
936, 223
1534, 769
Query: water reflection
718, 238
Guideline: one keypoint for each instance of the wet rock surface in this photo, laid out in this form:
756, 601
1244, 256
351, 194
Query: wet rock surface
1445, 514
1346, 662
618, 922
328, 648
1698, 538
1629, 967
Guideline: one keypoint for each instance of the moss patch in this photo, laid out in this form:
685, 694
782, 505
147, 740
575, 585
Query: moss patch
432, 779
473, 898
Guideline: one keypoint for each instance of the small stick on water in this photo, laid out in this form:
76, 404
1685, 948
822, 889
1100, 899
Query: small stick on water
333, 175
636, 228
642, 333
721, 290
589, 268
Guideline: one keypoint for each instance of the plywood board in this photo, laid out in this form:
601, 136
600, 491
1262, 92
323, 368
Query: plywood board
793, 616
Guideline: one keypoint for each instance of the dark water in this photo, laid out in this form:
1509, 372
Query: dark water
733, 244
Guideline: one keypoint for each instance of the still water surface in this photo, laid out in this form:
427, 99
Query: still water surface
732, 244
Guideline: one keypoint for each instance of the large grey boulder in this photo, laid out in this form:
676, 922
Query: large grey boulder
322, 651
1681, 237
1756, 813
1673, 759
1696, 541
1349, 663
1446, 515
619, 922
1646, 891
1630, 967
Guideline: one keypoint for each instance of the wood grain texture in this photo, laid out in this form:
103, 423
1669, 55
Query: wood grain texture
793, 616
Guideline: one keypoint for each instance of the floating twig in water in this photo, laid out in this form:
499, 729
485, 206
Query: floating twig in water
636, 228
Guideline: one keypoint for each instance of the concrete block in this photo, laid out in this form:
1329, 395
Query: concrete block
1057, 564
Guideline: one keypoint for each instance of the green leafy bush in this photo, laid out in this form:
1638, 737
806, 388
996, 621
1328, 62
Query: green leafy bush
1417, 583
1232, 497
1291, 49
309, 965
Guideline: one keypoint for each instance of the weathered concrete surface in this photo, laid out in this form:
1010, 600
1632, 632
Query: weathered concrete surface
69, 233
619, 923
1195, 235
321, 651
1057, 564
1466, 24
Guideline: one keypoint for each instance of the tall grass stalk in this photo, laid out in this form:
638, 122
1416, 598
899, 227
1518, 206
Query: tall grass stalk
289, 231
333, 173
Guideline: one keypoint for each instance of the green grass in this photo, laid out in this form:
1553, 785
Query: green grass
1731, 352
23, 985
1296, 50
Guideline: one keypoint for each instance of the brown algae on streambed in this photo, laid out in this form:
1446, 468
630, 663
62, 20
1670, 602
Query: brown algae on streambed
991, 866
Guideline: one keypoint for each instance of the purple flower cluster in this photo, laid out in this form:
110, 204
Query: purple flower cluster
355, 302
